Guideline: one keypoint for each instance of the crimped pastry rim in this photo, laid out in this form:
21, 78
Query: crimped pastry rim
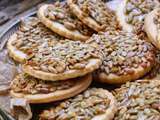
81, 84
57, 27
86, 20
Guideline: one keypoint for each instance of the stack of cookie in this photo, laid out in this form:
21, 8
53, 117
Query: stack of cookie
67, 42
56, 61
54, 68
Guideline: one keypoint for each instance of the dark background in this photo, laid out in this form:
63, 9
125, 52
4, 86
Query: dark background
11, 8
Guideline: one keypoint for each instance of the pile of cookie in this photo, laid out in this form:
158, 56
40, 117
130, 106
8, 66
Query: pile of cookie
70, 43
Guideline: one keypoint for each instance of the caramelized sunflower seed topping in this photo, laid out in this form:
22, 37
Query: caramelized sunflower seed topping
97, 10
135, 11
82, 107
138, 100
26, 84
65, 55
123, 52
156, 68
32, 34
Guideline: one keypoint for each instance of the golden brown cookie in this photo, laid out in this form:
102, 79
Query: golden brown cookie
138, 100
131, 13
59, 19
152, 26
39, 91
31, 34
94, 13
67, 59
126, 57
93, 104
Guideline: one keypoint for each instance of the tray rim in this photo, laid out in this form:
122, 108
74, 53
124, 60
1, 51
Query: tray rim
11, 25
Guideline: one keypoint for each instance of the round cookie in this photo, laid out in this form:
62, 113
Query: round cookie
39, 91
126, 57
138, 100
59, 19
131, 13
31, 34
67, 59
152, 26
93, 104
94, 13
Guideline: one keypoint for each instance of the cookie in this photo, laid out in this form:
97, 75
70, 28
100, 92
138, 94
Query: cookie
138, 100
30, 35
126, 57
94, 13
67, 59
93, 104
59, 19
39, 91
131, 14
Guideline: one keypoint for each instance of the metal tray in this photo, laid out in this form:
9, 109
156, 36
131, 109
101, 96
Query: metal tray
12, 28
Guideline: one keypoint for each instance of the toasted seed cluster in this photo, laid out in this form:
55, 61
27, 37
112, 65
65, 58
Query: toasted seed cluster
137, 9
123, 52
64, 56
157, 20
135, 12
61, 13
99, 12
26, 84
156, 68
32, 34
138, 100
82, 107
